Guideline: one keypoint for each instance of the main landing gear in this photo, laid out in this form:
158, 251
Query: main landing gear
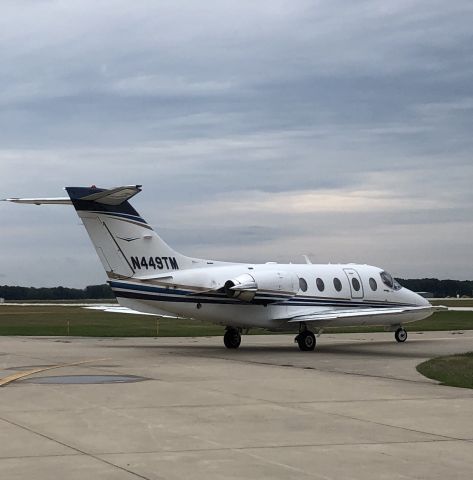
306, 340
400, 335
232, 337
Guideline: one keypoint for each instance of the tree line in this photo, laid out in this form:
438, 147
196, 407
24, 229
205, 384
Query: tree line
438, 288
56, 293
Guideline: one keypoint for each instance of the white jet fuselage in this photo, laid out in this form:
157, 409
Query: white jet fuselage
194, 293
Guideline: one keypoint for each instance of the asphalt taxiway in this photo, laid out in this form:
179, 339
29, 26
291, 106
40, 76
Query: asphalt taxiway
173, 408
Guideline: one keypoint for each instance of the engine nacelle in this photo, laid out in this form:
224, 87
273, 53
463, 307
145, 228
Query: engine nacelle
274, 285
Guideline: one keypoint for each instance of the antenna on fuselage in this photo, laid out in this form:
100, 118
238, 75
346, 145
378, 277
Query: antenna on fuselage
307, 259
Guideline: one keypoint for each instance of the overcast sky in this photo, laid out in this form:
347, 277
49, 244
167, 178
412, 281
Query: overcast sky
260, 131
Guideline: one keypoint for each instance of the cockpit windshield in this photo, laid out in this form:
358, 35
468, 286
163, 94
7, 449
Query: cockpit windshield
397, 285
389, 281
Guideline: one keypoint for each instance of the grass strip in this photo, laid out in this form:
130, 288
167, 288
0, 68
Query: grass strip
76, 321
453, 370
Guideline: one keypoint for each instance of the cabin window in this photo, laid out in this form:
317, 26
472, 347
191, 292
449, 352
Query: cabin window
320, 284
303, 284
373, 284
356, 284
337, 284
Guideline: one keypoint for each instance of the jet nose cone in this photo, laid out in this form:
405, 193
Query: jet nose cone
418, 300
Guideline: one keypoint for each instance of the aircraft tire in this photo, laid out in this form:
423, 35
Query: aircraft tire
400, 335
306, 341
232, 338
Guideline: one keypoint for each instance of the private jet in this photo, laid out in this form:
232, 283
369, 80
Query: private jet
149, 277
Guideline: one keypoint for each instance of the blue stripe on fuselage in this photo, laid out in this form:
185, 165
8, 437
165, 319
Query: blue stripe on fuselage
166, 294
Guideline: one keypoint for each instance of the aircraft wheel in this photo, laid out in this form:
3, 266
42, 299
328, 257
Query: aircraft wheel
232, 338
306, 341
400, 335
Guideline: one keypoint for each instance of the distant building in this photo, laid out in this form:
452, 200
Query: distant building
2, 300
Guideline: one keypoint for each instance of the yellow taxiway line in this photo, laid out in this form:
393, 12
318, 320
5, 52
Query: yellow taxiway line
17, 376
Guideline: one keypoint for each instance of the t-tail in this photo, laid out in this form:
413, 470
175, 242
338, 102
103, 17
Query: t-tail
125, 243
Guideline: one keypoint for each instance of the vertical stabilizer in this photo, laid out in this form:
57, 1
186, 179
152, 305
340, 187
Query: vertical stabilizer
126, 245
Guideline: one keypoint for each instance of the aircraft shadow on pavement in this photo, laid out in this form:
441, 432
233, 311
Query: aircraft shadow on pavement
354, 349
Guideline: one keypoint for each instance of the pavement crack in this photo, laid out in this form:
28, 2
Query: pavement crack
382, 424
75, 449
271, 447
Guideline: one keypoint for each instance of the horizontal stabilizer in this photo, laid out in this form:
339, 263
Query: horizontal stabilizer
113, 196
41, 201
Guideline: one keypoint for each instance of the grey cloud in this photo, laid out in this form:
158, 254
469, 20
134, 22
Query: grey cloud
203, 102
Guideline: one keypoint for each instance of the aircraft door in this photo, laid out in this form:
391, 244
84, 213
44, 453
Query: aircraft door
356, 285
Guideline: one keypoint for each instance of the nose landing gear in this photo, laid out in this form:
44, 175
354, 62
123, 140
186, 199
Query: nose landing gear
400, 335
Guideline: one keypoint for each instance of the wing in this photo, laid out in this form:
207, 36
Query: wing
111, 309
333, 314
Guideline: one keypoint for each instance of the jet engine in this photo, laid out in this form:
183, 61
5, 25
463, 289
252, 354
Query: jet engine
275, 285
